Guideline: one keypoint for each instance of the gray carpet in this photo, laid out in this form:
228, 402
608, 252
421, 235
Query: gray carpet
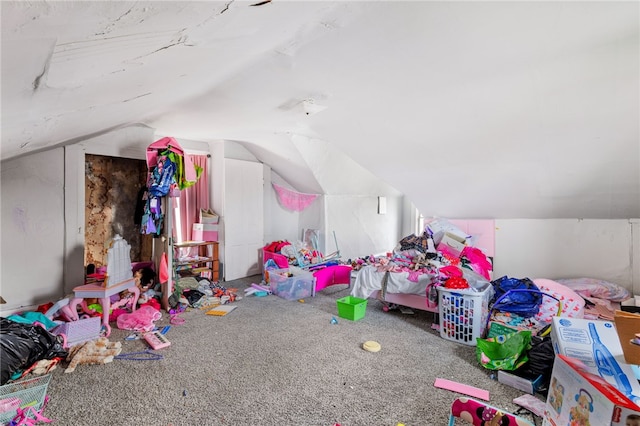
278, 362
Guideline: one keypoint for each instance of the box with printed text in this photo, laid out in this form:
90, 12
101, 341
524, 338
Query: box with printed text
579, 397
596, 344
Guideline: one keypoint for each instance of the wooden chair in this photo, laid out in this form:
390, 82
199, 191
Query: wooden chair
479, 413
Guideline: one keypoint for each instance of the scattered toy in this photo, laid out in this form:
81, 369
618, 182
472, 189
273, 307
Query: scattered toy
371, 346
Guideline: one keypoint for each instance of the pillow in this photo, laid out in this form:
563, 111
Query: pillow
572, 303
593, 287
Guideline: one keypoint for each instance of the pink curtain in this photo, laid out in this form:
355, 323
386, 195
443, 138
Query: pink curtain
193, 199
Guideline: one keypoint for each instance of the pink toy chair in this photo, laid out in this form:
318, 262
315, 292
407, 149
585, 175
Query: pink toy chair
479, 413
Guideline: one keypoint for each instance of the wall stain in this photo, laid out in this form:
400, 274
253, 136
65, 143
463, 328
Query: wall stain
111, 194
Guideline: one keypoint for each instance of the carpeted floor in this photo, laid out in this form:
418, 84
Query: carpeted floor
278, 362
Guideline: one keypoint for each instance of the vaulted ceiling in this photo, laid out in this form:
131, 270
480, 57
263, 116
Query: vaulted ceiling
471, 109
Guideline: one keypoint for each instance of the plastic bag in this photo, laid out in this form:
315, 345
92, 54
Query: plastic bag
541, 357
21, 345
517, 295
504, 352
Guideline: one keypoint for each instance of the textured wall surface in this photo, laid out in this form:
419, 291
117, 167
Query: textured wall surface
111, 194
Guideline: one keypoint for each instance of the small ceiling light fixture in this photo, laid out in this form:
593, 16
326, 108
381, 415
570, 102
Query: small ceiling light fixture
310, 107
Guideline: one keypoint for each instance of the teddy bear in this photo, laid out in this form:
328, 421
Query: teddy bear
99, 351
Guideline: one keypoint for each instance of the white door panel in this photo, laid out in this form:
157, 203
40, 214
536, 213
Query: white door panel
243, 218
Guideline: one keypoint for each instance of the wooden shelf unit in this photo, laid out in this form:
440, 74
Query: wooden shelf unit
202, 263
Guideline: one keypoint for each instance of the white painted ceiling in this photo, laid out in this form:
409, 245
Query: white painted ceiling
471, 109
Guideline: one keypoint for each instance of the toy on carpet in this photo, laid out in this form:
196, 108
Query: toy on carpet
140, 320
67, 308
144, 279
44, 366
99, 351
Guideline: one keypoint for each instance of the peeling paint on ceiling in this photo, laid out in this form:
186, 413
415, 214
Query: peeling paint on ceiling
471, 109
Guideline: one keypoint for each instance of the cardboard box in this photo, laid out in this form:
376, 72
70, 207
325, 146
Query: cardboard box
628, 325
204, 232
528, 384
451, 245
578, 397
439, 227
596, 344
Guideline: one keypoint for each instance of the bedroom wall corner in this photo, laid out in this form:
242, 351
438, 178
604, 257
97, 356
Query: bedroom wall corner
360, 230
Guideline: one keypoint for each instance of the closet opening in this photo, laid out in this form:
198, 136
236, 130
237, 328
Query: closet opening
113, 207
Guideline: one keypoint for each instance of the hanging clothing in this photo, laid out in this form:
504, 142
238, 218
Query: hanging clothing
187, 173
153, 218
170, 171
181, 170
141, 201
162, 177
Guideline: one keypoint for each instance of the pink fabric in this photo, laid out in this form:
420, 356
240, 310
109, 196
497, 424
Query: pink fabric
479, 262
140, 320
293, 200
164, 268
572, 305
159, 146
189, 168
192, 199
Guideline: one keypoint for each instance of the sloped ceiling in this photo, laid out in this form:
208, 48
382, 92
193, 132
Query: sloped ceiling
471, 109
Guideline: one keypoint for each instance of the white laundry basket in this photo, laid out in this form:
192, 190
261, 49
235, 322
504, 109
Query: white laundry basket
463, 313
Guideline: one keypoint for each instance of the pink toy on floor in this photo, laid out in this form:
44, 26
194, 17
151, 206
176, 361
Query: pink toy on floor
481, 414
330, 275
140, 320
67, 309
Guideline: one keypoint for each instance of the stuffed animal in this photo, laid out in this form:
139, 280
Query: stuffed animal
99, 351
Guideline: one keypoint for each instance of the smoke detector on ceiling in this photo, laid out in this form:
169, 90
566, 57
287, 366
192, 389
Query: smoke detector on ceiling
310, 107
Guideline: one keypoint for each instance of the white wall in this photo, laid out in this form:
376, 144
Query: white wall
43, 226
32, 250
569, 248
360, 230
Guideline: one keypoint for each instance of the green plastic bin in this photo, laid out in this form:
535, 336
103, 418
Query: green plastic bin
351, 308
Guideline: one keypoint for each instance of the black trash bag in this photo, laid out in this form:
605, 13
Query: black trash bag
541, 357
193, 296
21, 345
519, 296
